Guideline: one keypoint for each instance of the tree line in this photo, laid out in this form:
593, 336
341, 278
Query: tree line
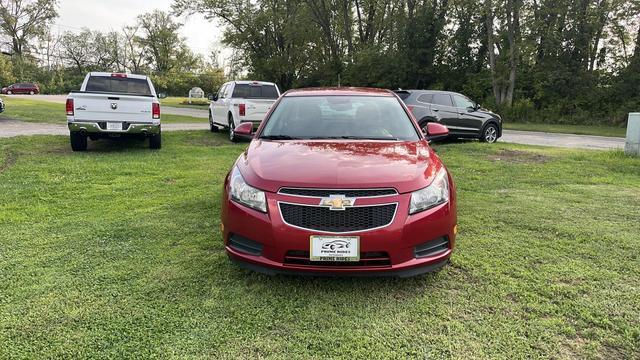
58, 61
567, 61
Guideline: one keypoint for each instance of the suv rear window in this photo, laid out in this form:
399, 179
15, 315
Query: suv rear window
255, 91
402, 94
118, 85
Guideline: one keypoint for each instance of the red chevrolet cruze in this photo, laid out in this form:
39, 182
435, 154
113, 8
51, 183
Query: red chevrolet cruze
339, 181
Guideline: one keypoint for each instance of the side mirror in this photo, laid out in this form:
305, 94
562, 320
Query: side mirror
162, 95
213, 97
245, 130
477, 106
436, 132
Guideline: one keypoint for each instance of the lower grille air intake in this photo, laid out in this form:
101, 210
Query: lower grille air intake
245, 245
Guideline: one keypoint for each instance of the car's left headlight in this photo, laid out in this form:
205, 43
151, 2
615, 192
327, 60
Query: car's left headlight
435, 194
246, 194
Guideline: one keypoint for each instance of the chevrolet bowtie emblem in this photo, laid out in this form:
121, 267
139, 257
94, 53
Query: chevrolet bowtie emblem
337, 202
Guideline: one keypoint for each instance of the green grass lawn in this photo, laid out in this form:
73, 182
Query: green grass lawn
39, 111
116, 253
614, 131
201, 104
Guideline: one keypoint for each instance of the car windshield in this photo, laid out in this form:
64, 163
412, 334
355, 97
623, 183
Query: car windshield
339, 117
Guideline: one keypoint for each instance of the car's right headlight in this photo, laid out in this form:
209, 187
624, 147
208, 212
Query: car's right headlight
246, 194
435, 194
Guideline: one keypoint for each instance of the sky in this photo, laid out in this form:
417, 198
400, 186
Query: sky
108, 15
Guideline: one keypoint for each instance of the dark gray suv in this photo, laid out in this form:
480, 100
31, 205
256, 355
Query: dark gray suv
463, 117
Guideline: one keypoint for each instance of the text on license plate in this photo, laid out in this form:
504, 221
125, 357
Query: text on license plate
334, 248
114, 126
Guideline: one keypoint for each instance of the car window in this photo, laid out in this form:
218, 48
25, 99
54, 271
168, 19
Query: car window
442, 99
118, 85
463, 102
221, 92
426, 98
326, 117
255, 91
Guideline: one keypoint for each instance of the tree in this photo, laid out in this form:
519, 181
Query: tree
78, 48
166, 50
22, 20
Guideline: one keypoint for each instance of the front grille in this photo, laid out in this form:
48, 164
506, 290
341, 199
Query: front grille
369, 258
351, 219
432, 248
360, 193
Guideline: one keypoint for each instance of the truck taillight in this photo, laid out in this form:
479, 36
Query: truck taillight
70, 107
155, 110
242, 109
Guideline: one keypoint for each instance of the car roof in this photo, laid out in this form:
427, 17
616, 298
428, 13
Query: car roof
243, 82
332, 91
133, 76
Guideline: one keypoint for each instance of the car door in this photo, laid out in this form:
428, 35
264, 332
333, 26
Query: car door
470, 120
219, 111
444, 111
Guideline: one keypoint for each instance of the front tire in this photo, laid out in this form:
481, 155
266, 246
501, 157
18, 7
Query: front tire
155, 142
489, 134
31, 92
9, 92
212, 127
232, 131
78, 141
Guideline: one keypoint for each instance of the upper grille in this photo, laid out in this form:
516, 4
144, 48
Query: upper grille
351, 219
347, 193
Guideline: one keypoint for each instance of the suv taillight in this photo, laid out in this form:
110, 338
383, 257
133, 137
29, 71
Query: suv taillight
155, 110
70, 107
242, 109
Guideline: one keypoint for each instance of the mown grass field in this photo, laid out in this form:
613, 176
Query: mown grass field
39, 111
613, 131
201, 104
116, 253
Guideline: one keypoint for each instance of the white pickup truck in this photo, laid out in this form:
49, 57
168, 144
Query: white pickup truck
113, 105
239, 102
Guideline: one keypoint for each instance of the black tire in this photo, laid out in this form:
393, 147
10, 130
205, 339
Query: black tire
212, 127
155, 142
232, 134
78, 141
489, 133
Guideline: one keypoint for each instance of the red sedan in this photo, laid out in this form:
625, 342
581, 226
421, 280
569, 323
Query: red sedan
339, 181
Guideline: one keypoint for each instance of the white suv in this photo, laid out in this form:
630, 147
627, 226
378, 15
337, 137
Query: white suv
239, 102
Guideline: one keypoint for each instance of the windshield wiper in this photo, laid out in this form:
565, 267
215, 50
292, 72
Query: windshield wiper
278, 137
356, 138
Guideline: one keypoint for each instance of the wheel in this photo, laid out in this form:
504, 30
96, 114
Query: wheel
489, 134
31, 92
78, 141
9, 92
212, 126
232, 132
155, 142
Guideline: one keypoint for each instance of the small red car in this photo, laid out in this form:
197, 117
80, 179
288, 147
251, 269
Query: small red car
22, 88
339, 181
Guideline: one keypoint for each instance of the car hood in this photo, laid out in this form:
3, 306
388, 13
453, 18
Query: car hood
405, 166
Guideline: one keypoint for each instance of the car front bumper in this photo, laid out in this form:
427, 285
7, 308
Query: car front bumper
400, 240
100, 128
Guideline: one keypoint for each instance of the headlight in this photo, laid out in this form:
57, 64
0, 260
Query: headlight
246, 194
435, 194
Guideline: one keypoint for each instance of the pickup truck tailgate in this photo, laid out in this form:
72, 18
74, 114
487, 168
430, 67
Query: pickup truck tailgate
257, 109
114, 107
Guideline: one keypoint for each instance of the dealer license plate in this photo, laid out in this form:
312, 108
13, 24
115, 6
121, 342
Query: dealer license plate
114, 126
335, 248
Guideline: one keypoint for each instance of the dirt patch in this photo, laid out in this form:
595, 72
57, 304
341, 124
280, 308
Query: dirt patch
8, 162
519, 157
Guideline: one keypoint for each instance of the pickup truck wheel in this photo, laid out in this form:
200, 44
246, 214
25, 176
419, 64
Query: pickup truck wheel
155, 142
78, 141
232, 131
489, 134
212, 126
